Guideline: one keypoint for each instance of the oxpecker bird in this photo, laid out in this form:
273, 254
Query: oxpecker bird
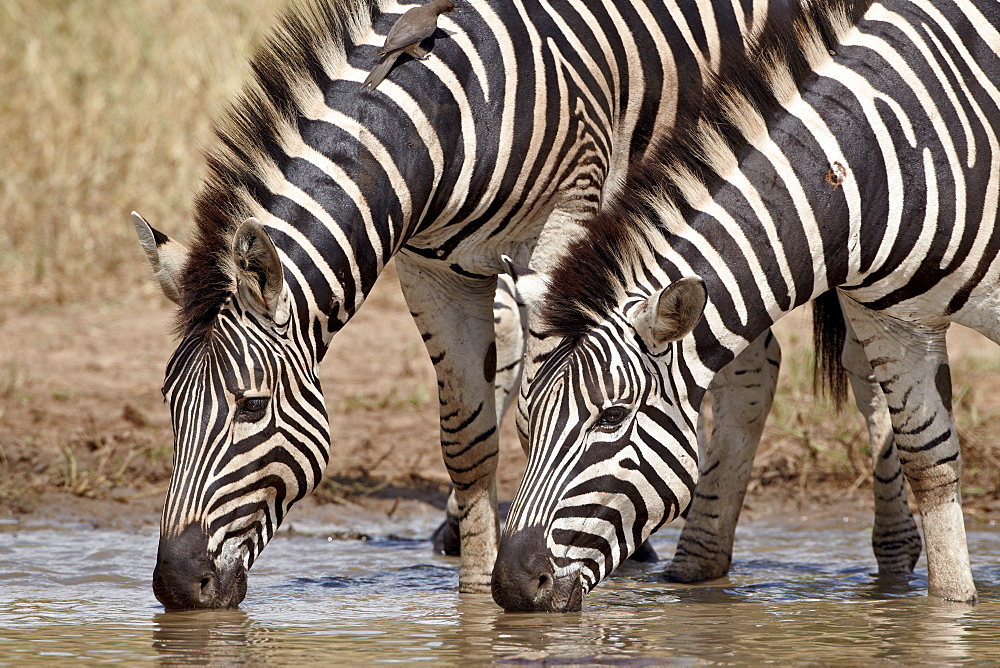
406, 34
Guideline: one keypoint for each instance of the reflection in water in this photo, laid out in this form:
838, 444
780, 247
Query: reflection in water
486, 632
68, 595
936, 627
943, 632
224, 635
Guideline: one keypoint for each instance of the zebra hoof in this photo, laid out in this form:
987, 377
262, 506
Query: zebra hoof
446, 539
644, 554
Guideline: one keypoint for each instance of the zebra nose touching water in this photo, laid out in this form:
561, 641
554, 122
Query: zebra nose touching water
186, 577
250, 427
862, 141
314, 183
484, 149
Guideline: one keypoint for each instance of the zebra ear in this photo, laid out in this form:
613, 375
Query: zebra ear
529, 285
260, 280
671, 313
165, 255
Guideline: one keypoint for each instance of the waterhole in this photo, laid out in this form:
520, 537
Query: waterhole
797, 592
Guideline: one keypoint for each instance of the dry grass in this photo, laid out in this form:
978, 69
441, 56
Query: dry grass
809, 448
105, 108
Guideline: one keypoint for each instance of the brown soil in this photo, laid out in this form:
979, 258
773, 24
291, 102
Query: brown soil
85, 434
84, 429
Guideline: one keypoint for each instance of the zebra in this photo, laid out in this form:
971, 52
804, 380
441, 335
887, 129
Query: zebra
265, 291
845, 123
741, 394
524, 121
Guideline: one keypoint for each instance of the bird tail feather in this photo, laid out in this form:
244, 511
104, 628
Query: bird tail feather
378, 72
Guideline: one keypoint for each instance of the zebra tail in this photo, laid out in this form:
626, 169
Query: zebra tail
829, 333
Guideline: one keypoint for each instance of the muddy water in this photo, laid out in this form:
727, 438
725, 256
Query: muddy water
798, 592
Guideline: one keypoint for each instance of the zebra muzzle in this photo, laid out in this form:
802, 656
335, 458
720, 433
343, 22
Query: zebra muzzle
524, 580
187, 577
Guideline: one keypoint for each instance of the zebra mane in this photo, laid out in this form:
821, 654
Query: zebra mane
306, 47
591, 279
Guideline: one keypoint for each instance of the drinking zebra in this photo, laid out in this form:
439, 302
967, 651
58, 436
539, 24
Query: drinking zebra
858, 150
741, 396
523, 122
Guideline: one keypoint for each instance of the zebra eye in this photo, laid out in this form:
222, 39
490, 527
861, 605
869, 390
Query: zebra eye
611, 416
251, 409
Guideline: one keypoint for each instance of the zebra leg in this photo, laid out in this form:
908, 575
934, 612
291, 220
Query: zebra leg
910, 362
509, 323
895, 539
741, 396
446, 538
455, 318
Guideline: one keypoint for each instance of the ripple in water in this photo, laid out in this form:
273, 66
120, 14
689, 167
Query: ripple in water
796, 593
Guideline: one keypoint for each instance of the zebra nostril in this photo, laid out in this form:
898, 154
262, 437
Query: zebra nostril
207, 586
544, 582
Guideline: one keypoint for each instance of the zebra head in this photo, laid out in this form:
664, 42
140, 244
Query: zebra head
251, 433
612, 448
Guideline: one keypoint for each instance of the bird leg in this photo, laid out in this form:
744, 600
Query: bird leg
418, 52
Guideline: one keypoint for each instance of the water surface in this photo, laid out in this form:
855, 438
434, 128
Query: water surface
797, 592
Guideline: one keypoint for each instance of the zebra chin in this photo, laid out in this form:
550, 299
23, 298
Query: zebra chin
186, 577
525, 581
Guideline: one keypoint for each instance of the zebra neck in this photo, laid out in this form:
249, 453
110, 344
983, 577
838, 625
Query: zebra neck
346, 206
784, 224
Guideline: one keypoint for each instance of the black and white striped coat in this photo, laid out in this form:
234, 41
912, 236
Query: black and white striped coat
862, 153
524, 121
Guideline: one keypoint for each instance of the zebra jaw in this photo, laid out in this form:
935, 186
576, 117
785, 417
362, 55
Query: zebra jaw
186, 577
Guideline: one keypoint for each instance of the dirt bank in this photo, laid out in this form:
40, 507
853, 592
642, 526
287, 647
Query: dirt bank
84, 432
82, 417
